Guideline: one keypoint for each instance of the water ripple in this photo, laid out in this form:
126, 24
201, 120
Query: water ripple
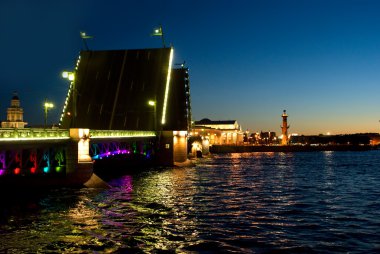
323, 202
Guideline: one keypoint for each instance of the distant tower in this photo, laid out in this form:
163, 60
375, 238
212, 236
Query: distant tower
15, 114
285, 127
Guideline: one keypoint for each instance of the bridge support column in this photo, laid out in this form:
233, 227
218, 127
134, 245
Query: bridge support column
79, 165
172, 148
179, 146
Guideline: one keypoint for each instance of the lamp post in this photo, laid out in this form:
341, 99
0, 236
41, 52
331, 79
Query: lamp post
47, 106
71, 77
153, 104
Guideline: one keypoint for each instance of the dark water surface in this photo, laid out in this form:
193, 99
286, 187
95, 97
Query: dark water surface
320, 202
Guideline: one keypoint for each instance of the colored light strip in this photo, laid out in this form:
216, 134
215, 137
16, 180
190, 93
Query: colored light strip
107, 154
163, 121
136, 136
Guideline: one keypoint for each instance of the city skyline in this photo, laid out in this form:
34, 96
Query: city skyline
248, 60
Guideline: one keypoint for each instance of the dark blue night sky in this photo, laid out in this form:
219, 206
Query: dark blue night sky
248, 60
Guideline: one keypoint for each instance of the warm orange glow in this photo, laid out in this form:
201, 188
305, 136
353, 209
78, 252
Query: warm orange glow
180, 133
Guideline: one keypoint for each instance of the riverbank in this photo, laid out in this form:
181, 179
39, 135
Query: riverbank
290, 148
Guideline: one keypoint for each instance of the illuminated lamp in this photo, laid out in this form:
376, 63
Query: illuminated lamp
46, 169
68, 75
2, 172
33, 170
47, 106
17, 171
58, 169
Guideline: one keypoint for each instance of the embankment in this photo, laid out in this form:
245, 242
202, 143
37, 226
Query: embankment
290, 148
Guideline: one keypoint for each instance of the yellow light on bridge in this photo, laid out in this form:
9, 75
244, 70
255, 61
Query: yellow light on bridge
68, 75
163, 120
152, 103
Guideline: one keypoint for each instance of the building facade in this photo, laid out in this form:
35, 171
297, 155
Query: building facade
15, 115
218, 132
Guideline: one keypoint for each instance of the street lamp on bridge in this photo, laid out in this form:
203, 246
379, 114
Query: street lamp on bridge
153, 104
47, 106
68, 75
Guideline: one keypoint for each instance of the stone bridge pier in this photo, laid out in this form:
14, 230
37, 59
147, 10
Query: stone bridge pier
79, 165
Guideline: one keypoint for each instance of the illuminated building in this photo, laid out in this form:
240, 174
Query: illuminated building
264, 138
284, 128
219, 132
15, 115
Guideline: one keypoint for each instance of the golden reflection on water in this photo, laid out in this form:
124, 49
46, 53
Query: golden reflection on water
84, 221
82, 214
165, 202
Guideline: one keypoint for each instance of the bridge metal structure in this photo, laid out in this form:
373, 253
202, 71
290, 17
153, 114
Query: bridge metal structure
65, 154
119, 103
135, 90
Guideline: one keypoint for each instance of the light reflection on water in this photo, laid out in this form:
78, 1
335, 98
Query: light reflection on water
240, 203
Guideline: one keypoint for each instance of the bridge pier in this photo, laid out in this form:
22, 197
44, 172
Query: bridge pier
172, 149
79, 162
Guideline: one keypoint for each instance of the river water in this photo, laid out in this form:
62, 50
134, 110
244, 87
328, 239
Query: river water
316, 202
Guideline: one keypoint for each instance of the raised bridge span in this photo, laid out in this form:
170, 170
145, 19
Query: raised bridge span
120, 103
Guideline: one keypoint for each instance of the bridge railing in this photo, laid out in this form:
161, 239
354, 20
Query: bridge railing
106, 134
14, 134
